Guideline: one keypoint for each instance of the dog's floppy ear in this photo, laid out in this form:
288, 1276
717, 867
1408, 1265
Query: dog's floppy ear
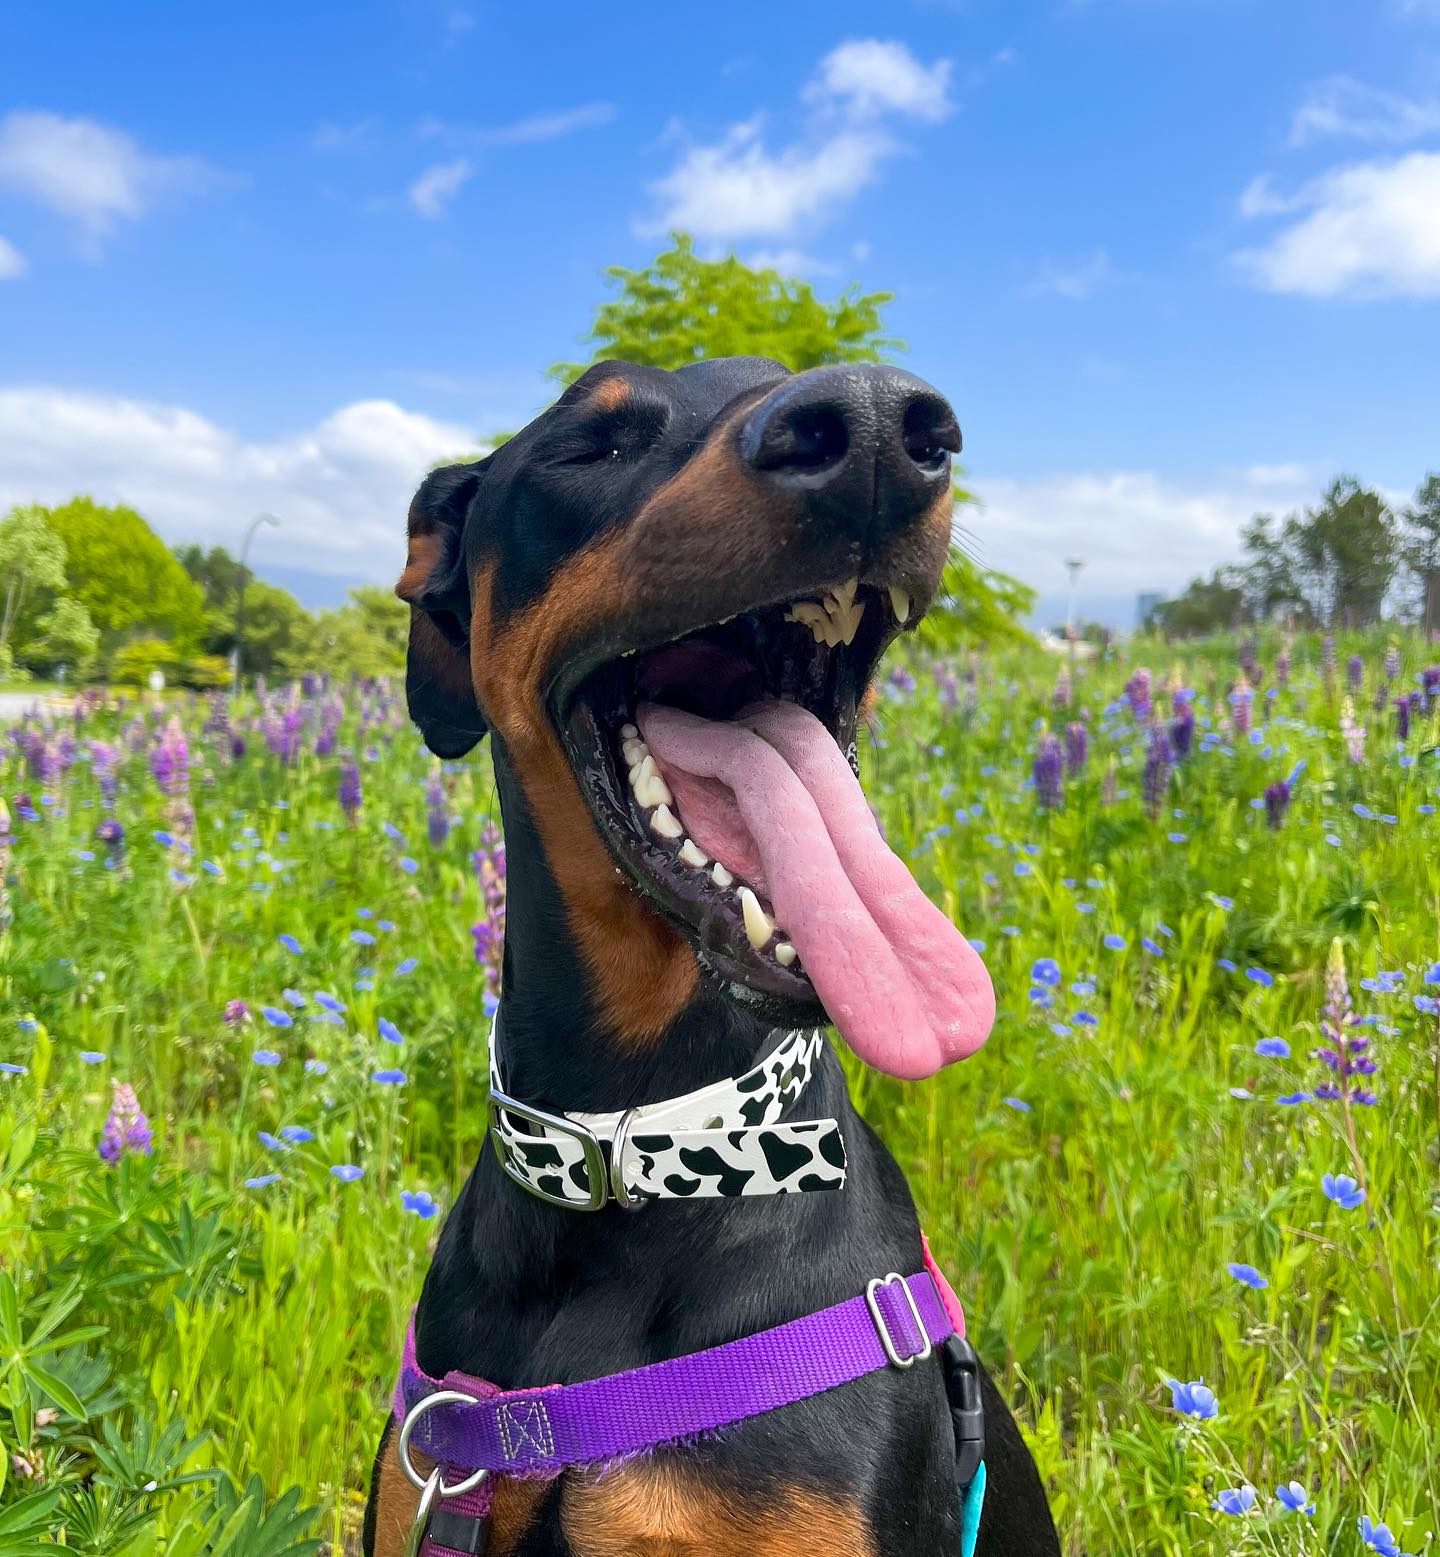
438, 684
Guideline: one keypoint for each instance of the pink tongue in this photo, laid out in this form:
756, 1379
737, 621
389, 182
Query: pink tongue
771, 796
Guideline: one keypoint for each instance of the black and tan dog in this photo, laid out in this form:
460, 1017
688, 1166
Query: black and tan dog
698, 541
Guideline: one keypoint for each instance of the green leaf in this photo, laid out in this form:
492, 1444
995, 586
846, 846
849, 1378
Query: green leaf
57, 1389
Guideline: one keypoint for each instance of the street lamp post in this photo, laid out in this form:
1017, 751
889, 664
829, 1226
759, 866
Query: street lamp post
255, 524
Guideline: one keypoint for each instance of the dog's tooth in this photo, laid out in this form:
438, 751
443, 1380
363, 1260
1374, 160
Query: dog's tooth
845, 594
653, 790
643, 771
720, 876
692, 855
635, 750
784, 954
758, 926
628, 732
806, 611
900, 603
665, 823
849, 623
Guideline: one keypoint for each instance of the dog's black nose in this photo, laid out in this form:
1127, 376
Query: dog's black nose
867, 446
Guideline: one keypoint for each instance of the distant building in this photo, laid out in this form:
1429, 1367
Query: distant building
1145, 603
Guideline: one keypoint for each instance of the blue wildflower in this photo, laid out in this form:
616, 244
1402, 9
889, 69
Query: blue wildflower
10, 1068
1273, 1049
1377, 1538
265, 1057
1227, 903
978, 945
489, 1003
347, 1172
1235, 1500
1115, 942
1018, 1104
1290, 1099
1224, 962
276, 1017
389, 1032
92, 1057
362, 937
390, 1078
408, 865
409, 965
1248, 1276
1151, 946
1047, 972
291, 944
329, 1002
1343, 1189
264, 1181
1260, 976
297, 1135
316, 1067
271, 1143
421, 1202
1195, 1399
1294, 1497
293, 997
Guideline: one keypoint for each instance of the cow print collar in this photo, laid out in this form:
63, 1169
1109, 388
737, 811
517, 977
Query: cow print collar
724, 1140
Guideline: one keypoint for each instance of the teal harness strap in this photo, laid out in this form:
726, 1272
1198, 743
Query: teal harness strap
970, 1513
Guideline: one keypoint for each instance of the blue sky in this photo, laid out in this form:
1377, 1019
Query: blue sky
1173, 260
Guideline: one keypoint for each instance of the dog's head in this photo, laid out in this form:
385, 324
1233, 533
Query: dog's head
666, 597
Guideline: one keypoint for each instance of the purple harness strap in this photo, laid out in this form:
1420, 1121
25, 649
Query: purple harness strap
539, 1432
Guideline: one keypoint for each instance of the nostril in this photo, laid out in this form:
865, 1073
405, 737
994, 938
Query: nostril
929, 432
805, 438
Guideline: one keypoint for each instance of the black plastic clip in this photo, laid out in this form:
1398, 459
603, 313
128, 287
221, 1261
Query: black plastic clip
459, 1532
967, 1414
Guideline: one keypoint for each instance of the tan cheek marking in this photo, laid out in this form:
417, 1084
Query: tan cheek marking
609, 394
644, 973
657, 1510
424, 553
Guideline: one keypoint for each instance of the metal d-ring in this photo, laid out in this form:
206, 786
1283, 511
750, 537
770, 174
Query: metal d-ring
623, 1198
441, 1397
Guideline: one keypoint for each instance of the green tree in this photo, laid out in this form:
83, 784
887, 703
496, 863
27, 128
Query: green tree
367, 636
976, 605
125, 575
276, 624
32, 558
1422, 548
1345, 551
681, 308
68, 637
1207, 605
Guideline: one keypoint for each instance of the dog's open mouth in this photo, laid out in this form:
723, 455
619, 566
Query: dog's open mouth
720, 769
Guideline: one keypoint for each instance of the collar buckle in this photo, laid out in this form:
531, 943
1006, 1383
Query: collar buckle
597, 1171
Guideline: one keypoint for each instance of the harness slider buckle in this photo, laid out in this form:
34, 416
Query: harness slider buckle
967, 1410
872, 1301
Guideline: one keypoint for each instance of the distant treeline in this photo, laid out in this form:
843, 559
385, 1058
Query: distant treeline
1350, 561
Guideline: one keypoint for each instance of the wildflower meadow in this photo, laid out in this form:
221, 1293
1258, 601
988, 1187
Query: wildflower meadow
1189, 1192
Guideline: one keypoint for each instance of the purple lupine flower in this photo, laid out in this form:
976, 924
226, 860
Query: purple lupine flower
1392, 663
1063, 689
1137, 690
902, 681
236, 1013
126, 1127
1430, 680
112, 835
1277, 803
350, 797
1242, 705
1402, 718
437, 819
1077, 747
1182, 729
1353, 732
1049, 772
7, 914
170, 760
104, 763
1159, 763
1355, 672
1345, 1052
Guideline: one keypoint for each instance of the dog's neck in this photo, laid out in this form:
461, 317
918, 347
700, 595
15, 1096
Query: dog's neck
557, 1053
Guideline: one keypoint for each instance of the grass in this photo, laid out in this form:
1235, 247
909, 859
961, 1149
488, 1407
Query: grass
1087, 1179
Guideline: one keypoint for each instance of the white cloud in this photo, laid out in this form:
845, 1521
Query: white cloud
1341, 107
790, 262
438, 185
737, 187
92, 173
867, 78
340, 488
520, 132
1370, 229
1136, 530
1075, 282
12, 261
